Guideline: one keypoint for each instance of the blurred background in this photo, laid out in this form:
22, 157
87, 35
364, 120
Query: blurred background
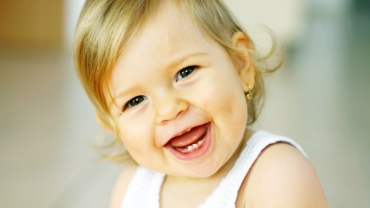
320, 98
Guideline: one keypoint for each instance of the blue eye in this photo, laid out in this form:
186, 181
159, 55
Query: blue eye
185, 72
135, 101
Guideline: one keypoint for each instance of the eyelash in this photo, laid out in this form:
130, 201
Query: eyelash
186, 70
138, 99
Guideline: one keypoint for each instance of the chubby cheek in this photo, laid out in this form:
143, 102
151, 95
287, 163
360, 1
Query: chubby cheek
135, 135
229, 108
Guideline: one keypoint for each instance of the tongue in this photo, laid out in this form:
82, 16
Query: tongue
189, 137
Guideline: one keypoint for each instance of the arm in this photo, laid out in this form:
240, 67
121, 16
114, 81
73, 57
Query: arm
283, 177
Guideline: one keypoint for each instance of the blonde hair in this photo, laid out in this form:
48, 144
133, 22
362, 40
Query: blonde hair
105, 27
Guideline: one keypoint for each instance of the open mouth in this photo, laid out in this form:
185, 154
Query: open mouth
191, 144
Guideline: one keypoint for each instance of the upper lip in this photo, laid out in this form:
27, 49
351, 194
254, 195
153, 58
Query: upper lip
184, 130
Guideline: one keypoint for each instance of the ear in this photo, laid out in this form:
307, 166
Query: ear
102, 122
244, 64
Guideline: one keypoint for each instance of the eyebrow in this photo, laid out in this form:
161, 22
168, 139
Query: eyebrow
173, 64
179, 61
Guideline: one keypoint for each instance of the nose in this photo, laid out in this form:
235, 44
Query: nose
169, 107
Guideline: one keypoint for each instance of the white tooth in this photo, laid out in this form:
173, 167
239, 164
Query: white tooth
200, 142
190, 148
195, 146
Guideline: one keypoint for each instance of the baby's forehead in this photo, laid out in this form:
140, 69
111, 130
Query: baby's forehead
170, 23
165, 39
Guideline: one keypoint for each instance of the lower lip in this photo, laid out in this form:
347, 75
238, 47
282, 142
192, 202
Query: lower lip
196, 153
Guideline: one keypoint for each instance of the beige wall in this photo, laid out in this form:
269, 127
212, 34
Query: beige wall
286, 18
36, 23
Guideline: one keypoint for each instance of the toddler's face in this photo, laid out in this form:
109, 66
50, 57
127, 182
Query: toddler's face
181, 106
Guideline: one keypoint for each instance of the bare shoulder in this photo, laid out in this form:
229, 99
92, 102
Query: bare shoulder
282, 177
121, 185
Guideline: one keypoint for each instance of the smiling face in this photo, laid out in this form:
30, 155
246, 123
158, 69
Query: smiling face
180, 101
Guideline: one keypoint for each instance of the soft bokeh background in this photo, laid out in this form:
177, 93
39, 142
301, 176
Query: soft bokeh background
320, 98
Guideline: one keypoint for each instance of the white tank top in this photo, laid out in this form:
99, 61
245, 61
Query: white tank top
145, 186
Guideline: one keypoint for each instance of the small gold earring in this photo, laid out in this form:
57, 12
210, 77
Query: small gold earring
249, 94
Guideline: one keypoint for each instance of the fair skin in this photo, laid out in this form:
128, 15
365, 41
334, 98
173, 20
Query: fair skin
173, 78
